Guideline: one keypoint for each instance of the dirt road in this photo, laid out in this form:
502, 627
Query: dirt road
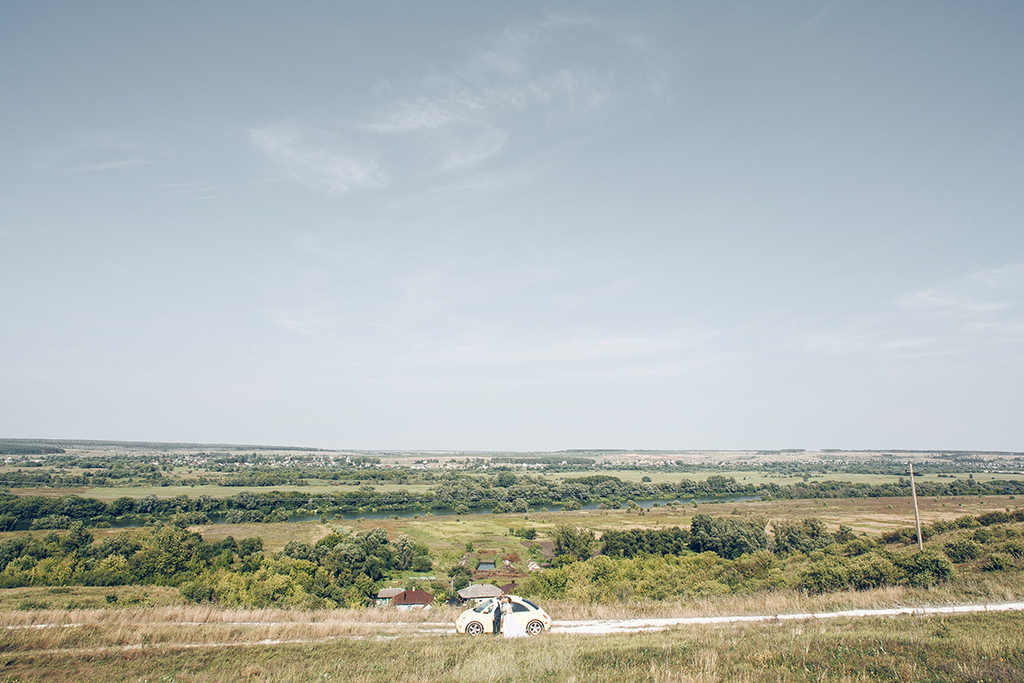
203, 634
637, 625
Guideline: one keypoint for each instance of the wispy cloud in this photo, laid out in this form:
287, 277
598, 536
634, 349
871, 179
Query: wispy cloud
200, 189
987, 291
102, 150
472, 151
514, 90
961, 317
820, 17
468, 115
318, 167
583, 349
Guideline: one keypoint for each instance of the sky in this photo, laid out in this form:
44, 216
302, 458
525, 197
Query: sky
514, 226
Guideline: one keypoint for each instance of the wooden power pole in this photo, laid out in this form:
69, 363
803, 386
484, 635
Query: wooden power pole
917, 516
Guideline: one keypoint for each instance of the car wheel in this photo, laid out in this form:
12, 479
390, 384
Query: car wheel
474, 628
534, 627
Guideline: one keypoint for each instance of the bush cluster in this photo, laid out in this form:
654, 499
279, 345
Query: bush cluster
338, 570
723, 555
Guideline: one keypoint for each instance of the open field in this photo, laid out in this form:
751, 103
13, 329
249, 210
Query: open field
864, 515
448, 534
197, 644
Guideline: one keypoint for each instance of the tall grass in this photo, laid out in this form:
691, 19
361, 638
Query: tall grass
197, 630
974, 647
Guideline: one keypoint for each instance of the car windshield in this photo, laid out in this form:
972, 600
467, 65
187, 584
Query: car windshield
529, 603
485, 607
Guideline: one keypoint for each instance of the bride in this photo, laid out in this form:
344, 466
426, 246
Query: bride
510, 626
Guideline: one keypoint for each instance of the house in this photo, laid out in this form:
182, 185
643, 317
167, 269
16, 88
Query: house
479, 591
387, 594
414, 599
509, 588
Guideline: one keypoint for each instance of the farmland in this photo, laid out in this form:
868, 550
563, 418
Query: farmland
187, 539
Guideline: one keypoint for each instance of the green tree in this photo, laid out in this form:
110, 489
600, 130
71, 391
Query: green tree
405, 550
77, 538
165, 556
459, 576
572, 543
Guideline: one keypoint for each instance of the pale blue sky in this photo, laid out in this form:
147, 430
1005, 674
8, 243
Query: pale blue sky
523, 226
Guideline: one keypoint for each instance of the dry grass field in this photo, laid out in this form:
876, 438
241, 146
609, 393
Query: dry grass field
864, 515
203, 644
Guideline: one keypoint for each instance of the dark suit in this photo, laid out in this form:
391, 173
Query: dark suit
497, 618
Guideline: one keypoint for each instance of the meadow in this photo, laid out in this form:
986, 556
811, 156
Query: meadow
156, 632
201, 646
151, 633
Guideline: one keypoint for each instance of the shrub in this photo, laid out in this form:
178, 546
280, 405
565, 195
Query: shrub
298, 550
997, 562
858, 546
983, 535
995, 517
248, 546
195, 591
927, 569
421, 563
729, 538
574, 543
550, 583
632, 542
904, 535
805, 536
962, 550
1014, 548
967, 522
829, 574
51, 522
872, 571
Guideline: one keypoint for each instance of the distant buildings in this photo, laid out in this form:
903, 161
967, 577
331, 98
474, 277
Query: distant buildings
404, 599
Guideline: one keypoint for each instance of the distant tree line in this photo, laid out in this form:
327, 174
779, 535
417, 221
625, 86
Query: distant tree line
504, 492
7, 448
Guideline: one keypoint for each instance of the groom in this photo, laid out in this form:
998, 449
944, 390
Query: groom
497, 618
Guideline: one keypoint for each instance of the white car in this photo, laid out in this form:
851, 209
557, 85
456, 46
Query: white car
480, 619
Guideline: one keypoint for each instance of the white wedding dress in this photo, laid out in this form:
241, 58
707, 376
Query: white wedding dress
511, 627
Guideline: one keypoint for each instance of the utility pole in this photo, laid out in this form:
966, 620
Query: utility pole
917, 516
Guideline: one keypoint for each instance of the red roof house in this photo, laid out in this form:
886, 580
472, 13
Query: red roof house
412, 599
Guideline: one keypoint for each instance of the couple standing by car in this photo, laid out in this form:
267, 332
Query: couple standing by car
510, 628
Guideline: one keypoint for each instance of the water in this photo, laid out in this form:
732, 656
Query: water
413, 512
553, 507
